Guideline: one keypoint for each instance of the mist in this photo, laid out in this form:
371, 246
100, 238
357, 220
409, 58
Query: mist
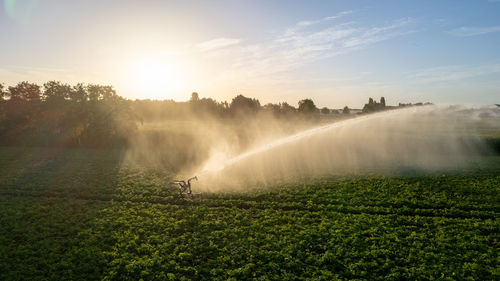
183, 145
413, 140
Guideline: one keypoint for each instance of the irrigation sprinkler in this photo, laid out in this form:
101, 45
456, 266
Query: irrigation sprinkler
185, 187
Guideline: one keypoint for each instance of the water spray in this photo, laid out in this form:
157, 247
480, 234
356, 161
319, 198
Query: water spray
416, 139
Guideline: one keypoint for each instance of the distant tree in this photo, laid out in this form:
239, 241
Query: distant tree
3, 94
78, 93
243, 105
93, 92
108, 93
285, 108
325, 110
273, 108
373, 106
210, 106
55, 92
307, 106
98, 92
25, 91
206, 106
194, 97
346, 110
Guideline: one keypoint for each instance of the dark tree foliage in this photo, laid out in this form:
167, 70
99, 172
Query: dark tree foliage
194, 97
241, 105
62, 115
25, 91
56, 93
92, 115
205, 107
273, 108
2, 93
287, 109
307, 106
373, 106
280, 110
346, 110
414, 104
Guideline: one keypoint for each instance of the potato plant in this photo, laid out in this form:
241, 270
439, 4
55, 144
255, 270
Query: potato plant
83, 215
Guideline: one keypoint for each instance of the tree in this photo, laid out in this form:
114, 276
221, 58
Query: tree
273, 108
108, 93
25, 91
243, 105
346, 110
56, 92
307, 106
98, 92
194, 97
373, 106
79, 93
93, 92
285, 108
3, 94
325, 110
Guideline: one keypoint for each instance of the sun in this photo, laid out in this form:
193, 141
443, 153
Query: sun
155, 78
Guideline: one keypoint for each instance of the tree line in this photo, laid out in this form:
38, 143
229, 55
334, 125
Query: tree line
239, 107
374, 106
91, 115
57, 114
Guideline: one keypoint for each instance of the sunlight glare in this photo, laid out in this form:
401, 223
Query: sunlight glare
155, 78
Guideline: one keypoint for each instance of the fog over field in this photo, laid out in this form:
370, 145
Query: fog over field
249, 140
418, 139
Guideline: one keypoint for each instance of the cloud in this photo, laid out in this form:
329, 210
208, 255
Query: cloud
303, 44
472, 31
313, 22
453, 73
338, 15
271, 62
218, 43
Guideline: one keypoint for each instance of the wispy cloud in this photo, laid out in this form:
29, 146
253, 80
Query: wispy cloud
329, 18
218, 43
453, 73
305, 43
472, 31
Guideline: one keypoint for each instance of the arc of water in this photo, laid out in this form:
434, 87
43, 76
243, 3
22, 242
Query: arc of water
301, 135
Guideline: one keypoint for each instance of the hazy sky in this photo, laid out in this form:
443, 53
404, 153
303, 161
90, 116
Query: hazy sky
335, 52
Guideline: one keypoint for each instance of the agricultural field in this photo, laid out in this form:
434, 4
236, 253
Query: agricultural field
81, 214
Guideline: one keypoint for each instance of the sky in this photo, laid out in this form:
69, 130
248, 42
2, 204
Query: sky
335, 52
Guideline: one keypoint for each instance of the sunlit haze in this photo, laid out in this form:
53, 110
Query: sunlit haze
335, 52
249, 140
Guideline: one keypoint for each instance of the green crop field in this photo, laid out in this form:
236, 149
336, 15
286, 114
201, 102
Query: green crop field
80, 214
